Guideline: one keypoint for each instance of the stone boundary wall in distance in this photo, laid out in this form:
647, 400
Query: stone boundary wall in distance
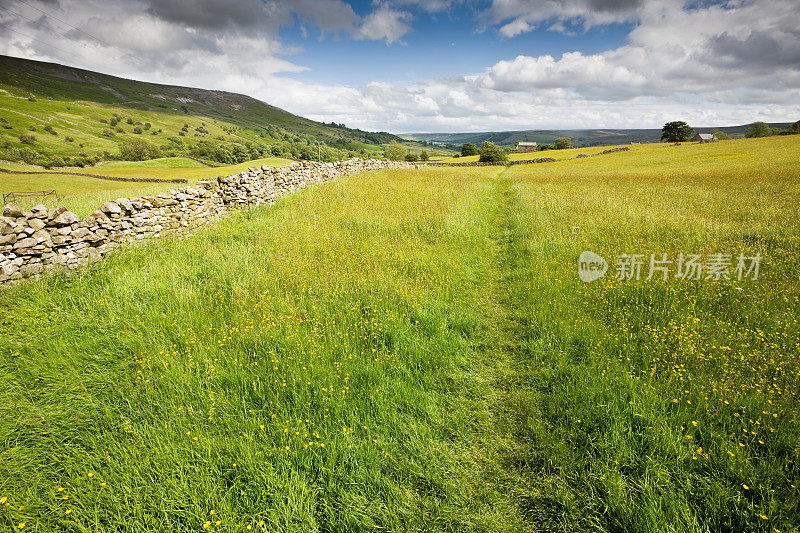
44, 240
524, 161
97, 176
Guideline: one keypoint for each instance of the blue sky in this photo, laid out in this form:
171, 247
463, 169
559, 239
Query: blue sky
440, 44
443, 65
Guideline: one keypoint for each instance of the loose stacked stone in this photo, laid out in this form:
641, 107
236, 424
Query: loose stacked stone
42, 239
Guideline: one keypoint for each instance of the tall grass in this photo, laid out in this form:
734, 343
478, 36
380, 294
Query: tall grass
307, 366
413, 350
83, 195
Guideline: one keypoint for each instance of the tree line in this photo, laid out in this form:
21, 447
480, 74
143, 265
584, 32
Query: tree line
680, 131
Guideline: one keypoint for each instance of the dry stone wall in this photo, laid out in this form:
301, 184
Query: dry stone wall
42, 239
523, 161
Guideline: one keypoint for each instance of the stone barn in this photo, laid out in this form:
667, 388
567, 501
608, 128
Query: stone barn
705, 138
526, 146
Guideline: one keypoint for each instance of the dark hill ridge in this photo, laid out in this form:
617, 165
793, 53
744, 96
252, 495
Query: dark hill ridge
59, 82
580, 138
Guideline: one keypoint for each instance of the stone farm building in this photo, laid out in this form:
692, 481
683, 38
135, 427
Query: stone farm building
526, 146
705, 138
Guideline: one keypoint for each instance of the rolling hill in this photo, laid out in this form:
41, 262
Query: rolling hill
580, 138
91, 108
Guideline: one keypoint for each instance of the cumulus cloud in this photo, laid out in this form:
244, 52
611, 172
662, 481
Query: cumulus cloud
384, 24
519, 16
431, 6
715, 64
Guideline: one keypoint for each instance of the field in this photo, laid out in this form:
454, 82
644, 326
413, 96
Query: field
648, 152
83, 195
414, 350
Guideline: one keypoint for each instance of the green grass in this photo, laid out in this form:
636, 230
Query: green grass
83, 195
79, 105
161, 162
654, 150
413, 350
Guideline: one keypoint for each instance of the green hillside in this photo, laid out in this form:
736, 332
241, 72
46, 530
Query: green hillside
81, 116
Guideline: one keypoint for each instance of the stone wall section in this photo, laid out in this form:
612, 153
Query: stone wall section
42, 240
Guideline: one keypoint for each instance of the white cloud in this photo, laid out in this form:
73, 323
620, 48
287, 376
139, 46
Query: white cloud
384, 24
519, 16
711, 65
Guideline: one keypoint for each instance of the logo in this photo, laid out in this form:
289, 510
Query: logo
591, 267
634, 267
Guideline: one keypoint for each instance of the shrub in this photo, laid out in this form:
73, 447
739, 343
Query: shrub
491, 153
27, 139
32, 127
468, 149
28, 155
49, 129
208, 150
395, 151
68, 139
411, 157
721, 135
147, 126
138, 150
120, 130
137, 130
129, 120
108, 133
758, 129
31, 98
563, 143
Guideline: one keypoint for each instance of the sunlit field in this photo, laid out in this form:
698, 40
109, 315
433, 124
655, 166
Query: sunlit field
83, 194
414, 350
655, 152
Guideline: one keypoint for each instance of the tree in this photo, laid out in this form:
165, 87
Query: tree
721, 135
758, 129
411, 157
563, 142
675, 132
794, 128
137, 150
469, 149
491, 153
424, 156
395, 151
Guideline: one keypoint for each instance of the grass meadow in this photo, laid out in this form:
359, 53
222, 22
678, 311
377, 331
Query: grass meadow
83, 195
413, 350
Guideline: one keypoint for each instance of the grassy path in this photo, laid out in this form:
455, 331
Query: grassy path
412, 351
